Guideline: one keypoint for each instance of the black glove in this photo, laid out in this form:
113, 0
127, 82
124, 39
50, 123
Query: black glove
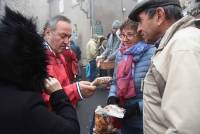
112, 100
132, 110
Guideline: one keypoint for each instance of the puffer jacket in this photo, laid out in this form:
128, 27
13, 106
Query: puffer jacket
171, 86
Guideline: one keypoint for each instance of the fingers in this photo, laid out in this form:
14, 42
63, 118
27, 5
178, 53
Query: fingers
88, 86
86, 89
85, 82
52, 85
102, 80
47, 83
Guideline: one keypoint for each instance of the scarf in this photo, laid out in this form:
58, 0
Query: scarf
125, 69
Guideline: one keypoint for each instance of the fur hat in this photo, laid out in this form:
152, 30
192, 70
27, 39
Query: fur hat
22, 55
145, 4
116, 24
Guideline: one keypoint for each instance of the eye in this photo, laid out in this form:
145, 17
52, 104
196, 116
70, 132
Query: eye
62, 35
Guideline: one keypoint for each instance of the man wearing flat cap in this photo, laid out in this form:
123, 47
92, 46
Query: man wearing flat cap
171, 87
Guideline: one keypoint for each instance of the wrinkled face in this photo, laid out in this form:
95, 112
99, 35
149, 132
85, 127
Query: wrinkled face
59, 38
148, 27
128, 36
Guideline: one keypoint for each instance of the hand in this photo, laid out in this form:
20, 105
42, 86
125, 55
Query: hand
52, 85
106, 80
107, 60
113, 100
86, 89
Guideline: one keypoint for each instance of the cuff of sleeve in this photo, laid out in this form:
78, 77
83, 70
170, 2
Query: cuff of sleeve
58, 95
79, 90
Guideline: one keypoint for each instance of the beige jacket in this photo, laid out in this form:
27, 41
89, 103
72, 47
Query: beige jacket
172, 85
91, 50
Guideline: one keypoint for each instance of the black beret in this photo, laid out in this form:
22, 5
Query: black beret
145, 4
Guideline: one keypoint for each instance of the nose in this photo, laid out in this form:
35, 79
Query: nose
67, 40
125, 39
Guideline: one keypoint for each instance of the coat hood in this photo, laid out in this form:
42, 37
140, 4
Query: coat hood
22, 55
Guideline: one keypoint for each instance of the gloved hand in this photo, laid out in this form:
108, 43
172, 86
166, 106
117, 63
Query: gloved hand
113, 100
132, 110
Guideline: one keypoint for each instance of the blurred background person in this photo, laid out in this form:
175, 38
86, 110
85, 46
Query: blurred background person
91, 53
111, 46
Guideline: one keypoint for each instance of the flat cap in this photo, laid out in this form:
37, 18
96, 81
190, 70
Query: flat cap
145, 4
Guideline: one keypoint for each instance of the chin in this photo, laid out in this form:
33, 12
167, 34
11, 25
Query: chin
128, 44
148, 41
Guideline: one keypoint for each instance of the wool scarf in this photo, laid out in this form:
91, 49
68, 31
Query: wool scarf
125, 69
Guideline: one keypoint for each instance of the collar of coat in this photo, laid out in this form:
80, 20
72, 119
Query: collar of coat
180, 24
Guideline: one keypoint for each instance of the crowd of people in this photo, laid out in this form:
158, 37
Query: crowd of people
156, 52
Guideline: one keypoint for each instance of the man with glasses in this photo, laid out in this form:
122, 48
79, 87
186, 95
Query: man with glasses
57, 34
171, 86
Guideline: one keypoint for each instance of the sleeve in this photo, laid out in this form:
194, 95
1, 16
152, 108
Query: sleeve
181, 101
106, 52
72, 91
39, 119
108, 49
113, 55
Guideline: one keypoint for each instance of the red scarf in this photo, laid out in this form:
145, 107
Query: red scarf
124, 76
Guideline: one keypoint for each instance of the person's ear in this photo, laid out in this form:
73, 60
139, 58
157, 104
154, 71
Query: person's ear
160, 14
47, 31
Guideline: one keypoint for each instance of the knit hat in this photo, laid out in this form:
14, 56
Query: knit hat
116, 24
145, 4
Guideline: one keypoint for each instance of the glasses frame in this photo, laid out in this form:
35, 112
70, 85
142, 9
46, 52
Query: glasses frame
128, 36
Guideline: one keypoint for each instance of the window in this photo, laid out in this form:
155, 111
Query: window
61, 6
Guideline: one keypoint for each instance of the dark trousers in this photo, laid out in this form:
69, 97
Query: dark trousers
93, 69
127, 130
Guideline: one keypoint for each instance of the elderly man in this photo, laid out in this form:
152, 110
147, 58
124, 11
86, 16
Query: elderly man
171, 86
57, 33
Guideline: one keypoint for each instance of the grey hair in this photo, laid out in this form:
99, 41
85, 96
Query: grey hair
172, 12
53, 22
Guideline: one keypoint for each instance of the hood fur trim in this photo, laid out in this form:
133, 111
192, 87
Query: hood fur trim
22, 55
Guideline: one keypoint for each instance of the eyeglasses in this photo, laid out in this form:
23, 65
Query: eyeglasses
128, 36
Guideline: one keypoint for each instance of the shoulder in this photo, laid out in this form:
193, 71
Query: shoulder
186, 39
